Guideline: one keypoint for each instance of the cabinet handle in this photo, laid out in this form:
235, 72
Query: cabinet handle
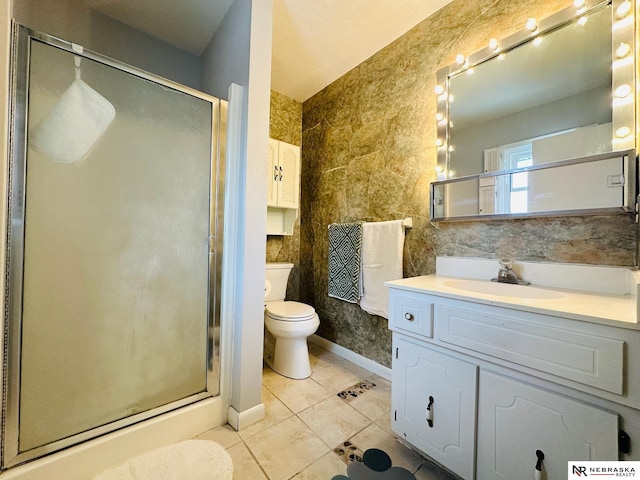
275, 177
280, 174
538, 470
430, 412
409, 316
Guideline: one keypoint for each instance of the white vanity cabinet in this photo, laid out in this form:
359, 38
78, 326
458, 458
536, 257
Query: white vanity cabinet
506, 385
517, 421
434, 399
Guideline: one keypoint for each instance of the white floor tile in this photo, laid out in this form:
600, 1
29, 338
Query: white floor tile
286, 448
333, 420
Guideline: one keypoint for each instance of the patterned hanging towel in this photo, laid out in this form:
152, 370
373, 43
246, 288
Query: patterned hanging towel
345, 242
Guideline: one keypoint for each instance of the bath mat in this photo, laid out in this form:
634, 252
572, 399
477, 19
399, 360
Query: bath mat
375, 465
188, 460
345, 242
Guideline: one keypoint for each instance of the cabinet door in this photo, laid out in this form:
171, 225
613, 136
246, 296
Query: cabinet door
289, 182
428, 385
273, 173
516, 420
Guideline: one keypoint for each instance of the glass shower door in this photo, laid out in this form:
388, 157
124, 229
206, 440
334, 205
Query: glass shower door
113, 213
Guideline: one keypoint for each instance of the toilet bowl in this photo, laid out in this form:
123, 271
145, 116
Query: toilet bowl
287, 326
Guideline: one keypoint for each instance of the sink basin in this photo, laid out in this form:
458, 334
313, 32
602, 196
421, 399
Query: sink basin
502, 289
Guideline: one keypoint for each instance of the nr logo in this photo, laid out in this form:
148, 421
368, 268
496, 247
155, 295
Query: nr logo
579, 471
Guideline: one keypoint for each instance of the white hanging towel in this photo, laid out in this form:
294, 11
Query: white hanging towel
382, 245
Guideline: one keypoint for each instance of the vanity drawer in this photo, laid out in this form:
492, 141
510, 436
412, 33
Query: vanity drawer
577, 356
411, 312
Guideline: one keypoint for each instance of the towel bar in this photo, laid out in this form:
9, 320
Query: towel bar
406, 223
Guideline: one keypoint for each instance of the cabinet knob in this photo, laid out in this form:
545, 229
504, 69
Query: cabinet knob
537, 473
409, 316
430, 412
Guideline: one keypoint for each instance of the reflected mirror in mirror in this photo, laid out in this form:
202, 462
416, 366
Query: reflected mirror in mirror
551, 96
538, 191
555, 94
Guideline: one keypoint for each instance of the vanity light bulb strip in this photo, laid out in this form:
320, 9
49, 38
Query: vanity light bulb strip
532, 24
623, 9
623, 91
623, 50
623, 132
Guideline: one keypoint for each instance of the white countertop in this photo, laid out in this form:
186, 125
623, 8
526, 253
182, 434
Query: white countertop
620, 310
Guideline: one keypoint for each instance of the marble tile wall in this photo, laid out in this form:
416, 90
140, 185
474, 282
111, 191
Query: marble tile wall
286, 125
369, 154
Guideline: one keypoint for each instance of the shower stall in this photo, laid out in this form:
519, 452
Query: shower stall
114, 247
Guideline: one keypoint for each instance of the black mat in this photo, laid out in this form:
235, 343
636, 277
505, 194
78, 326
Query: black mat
375, 465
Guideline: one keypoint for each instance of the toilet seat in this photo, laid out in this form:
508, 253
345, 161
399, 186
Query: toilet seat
290, 311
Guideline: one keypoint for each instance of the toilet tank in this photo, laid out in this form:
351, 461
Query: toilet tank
276, 277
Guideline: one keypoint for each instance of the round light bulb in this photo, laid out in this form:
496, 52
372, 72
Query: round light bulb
439, 89
623, 50
439, 142
579, 4
532, 24
493, 44
623, 132
623, 91
460, 59
439, 117
438, 169
623, 9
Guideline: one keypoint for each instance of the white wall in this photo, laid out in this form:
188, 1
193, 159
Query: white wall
71, 21
235, 56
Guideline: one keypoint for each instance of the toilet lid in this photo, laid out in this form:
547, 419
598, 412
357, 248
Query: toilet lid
290, 311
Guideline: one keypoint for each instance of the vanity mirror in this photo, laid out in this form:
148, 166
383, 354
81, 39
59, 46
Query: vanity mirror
530, 124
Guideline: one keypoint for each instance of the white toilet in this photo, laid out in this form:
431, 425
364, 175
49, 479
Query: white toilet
288, 324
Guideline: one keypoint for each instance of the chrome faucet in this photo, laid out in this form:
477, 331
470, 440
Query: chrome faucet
507, 275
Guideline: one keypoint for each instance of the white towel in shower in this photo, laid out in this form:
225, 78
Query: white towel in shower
382, 247
74, 125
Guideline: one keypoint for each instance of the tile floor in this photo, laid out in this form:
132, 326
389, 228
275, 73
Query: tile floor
308, 421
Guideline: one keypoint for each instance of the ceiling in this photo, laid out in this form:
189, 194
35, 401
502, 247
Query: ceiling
314, 41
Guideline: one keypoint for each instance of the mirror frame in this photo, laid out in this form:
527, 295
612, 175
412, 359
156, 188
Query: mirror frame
623, 113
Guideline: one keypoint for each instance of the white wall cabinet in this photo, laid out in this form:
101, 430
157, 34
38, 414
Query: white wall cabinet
283, 187
502, 394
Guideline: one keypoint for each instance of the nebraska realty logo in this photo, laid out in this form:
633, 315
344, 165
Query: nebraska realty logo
604, 469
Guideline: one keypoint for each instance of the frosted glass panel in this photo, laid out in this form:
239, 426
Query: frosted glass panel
116, 266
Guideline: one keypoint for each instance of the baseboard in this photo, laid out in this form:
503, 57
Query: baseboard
240, 420
364, 362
